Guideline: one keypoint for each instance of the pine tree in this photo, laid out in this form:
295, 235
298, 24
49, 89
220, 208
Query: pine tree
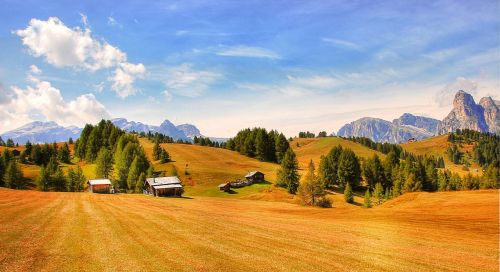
281, 146
328, 167
368, 199
13, 176
164, 157
43, 180
379, 193
288, 176
349, 170
59, 180
78, 179
348, 196
104, 163
64, 154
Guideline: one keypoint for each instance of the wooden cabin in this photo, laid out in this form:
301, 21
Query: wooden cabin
163, 186
225, 187
101, 186
255, 176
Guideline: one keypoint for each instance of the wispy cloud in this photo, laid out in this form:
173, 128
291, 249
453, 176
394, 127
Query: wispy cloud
246, 51
342, 43
113, 22
187, 81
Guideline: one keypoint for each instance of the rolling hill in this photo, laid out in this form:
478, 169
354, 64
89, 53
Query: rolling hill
308, 149
437, 146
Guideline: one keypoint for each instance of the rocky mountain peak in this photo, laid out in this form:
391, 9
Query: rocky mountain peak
466, 114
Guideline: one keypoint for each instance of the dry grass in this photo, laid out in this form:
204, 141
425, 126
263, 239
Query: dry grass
437, 146
452, 231
312, 149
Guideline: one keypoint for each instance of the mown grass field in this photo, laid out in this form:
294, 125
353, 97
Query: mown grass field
450, 231
437, 146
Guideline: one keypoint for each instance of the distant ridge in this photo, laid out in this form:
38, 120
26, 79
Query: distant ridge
48, 132
466, 114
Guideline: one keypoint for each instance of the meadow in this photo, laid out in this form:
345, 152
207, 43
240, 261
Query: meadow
449, 231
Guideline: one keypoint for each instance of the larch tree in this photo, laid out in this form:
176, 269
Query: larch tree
348, 195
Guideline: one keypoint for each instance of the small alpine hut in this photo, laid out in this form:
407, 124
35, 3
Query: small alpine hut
163, 186
101, 186
255, 176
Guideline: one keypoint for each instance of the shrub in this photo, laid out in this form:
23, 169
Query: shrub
324, 202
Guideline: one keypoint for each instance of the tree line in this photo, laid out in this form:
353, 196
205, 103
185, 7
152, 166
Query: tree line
205, 141
11, 175
260, 144
9, 143
485, 152
384, 148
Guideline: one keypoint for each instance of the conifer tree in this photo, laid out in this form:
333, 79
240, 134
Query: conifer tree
104, 163
288, 176
13, 176
43, 180
349, 170
133, 174
78, 179
156, 150
378, 192
59, 180
368, 199
64, 154
140, 183
348, 196
311, 188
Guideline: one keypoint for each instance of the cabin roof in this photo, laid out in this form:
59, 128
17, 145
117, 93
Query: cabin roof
251, 174
163, 181
99, 182
223, 184
167, 186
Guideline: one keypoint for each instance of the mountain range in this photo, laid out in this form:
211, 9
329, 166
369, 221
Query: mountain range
48, 132
466, 114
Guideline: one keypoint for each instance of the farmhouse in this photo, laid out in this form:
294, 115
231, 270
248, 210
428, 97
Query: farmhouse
102, 186
163, 186
255, 176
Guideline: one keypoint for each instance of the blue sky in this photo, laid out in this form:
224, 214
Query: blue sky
227, 65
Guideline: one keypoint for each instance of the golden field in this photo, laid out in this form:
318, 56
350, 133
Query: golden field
450, 231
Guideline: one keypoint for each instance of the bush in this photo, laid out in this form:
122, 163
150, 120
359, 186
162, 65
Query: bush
324, 202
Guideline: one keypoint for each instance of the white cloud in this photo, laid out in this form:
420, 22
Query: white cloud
167, 95
63, 46
112, 22
35, 70
124, 77
445, 96
43, 99
342, 43
246, 51
74, 47
186, 81
84, 19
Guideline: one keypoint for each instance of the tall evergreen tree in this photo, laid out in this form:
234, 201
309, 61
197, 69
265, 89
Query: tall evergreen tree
43, 180
378, 192
133, 174
104, 163
288, 176
328, 167
59, 180
64, 154
349, 170
348, 195
13, 176
367, 203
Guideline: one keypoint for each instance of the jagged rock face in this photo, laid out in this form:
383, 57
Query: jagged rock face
491, 114
379, 130
466, 114
428, 124
167, 128
189, 130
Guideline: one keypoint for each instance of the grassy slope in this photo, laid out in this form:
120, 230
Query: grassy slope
453, 231
208, 167
313, 148
437, 146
